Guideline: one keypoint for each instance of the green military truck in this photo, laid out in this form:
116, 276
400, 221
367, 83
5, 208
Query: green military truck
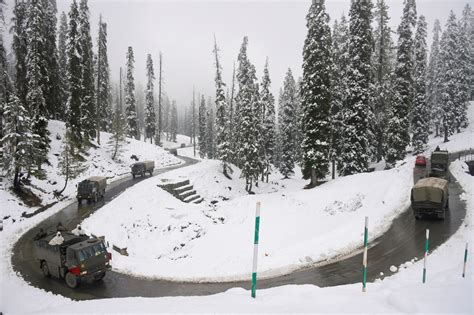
142, 167
439, 164
430, 197
78, 258
91, 189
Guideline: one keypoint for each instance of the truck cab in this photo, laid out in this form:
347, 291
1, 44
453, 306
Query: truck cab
77, 259
142, 167
439, 164
91, 189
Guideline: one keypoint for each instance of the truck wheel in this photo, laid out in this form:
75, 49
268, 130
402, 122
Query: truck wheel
71, 280
99, 278
151, 173
103, 193
95, 198
45, 269
417, 217
442, 216
79, 200
133, 175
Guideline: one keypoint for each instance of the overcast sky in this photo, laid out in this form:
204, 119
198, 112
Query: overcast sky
183, 32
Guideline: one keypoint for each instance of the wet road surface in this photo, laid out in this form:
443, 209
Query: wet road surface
402, 242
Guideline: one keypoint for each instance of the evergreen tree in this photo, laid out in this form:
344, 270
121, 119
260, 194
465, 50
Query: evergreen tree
433, 89
63, 83
19, 47
35, 69
174, 122
232, 121
119, 131
465, 71
420, 122
17, 142
288, 126
70, 161
150, 118
399, 114
202, 140
88, 104
130, 109
222, 119
355, 150
51, 80
166, 116
268, 129
449, 76
339, 86
383, 68
247, 136
104, 109
315, 94
210, 132
74, 78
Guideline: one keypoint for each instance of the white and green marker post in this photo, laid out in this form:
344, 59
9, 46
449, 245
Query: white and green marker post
255, 250
364, 259
426, 254
465, 261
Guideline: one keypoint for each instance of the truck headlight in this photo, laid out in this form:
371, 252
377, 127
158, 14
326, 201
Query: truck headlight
83, 273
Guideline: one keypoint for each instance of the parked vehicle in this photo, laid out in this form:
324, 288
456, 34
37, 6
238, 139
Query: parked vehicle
183, 145
78, 258
439, 164
91, 189
420, 160
142, 167
430, 197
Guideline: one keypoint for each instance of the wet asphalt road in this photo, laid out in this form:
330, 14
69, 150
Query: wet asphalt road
402, 242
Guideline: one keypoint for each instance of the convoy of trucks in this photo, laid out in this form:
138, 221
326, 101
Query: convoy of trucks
91, 189
142, 167
78, 258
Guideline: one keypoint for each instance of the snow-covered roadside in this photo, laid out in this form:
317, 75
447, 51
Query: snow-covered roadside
173, 240
444, 292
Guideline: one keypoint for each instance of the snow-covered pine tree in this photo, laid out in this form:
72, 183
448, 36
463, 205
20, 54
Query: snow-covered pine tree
420, 122
465, 70
339, 86
202, 140
63, 66
159, 122
130, 106
70, 161
268, 128
222, 119
35, 68
74, 78
119, 131
210, 131
174, 122
104, 108
383, 60
259, 161
247, 143
315, 95
277, 153
17, 142
433, 89
150, 118
88, 103
288, 126
399, 113
19, 47
232, 120
355, 150
51, 80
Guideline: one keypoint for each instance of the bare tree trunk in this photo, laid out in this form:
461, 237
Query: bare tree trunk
314, 178
446, 134
333, 169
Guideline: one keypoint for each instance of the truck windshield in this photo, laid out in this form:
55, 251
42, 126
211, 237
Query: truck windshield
92, 251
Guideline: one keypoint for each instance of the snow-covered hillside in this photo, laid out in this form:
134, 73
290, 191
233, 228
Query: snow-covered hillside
99, 162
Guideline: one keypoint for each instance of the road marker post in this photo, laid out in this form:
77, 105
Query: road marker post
426, 254
465, 261
364, 259
255, 250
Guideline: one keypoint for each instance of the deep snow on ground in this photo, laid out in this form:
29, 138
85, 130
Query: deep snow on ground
99, 162
171, 239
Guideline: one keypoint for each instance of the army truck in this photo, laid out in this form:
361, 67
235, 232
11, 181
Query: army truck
439, 164
91, 189
430, 197
143, 167
77, 259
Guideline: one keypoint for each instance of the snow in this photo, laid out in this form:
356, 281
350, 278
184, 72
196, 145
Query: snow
99, 162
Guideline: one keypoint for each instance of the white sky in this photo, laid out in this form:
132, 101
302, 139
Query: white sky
183, 31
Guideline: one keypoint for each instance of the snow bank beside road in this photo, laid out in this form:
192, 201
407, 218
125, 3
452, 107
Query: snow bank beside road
170, 239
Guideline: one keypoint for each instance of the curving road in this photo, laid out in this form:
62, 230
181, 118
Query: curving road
402, 242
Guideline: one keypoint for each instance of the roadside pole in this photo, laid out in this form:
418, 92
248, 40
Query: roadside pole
255, 250
426, 254
364, 260
465, 261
